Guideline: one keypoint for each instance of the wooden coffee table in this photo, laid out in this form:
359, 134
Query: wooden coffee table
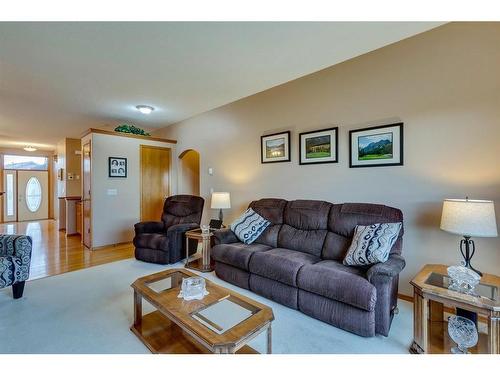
179, 326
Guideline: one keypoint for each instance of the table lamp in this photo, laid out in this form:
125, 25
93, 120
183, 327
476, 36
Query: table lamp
220, 200
469, 218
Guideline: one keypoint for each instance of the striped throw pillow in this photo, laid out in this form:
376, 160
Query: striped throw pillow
372, 244
249, 226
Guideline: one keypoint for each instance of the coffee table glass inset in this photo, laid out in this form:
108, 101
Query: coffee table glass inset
223, 322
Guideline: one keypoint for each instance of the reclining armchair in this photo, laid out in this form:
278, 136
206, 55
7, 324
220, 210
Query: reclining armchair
163, 241
15, 258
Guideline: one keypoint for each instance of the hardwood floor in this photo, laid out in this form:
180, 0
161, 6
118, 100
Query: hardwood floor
53, 253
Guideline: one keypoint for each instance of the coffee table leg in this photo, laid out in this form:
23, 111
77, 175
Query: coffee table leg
137, 309
269, 340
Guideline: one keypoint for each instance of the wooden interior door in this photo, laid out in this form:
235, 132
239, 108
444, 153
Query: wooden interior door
155, 181
32, 195
86, 196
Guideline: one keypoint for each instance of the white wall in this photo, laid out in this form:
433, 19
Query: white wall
113, 217
443, 84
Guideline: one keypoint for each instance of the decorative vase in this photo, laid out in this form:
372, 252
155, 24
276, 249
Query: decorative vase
463, 332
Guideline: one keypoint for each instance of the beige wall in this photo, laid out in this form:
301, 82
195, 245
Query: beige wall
189, 173
114, 216
443, 84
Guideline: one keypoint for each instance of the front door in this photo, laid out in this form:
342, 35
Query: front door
32, 195
155, 181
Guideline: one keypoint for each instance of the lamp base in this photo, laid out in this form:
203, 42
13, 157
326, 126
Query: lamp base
467, 248
221, 216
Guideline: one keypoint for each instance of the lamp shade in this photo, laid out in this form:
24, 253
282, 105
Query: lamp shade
474, 218
221, 200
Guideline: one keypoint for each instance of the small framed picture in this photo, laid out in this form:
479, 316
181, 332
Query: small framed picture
378, 146
117, 167
275, 148
319, 146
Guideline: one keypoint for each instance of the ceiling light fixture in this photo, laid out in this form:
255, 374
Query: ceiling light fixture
30, 148
145, 109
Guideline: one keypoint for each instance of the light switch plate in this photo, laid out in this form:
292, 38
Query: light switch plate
112, 192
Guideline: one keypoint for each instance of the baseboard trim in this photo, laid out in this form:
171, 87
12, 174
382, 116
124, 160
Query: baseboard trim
111, 245
404, 297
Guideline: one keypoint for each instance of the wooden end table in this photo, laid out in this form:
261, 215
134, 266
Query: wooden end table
203, 263
179, 326
431, 298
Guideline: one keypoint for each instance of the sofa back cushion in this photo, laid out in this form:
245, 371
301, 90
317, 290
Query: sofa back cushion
305, 224
271, 209
181, 209
342, 222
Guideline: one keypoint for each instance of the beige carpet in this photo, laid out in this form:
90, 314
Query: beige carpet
90, 311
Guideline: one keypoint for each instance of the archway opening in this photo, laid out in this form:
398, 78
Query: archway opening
189, 172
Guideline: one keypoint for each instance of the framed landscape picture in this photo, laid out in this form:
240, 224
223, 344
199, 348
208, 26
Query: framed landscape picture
318, 146
378, 146
117, 167
275, 148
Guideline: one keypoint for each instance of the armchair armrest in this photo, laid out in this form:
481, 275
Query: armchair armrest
149, 227
392, 267
17, 246
176, 240
182, 227
225, 235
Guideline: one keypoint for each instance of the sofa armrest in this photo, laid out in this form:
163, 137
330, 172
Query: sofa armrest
149, 227
225, 235
392, 267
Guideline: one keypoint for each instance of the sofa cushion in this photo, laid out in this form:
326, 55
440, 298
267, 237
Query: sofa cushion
280, 264
371, 244
249, 226
237, 254
333, 280
155, 241
344, 218
272, 209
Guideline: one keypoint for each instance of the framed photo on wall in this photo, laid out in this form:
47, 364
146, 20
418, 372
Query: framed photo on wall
275, 148
117, 167
378, 146
319, 146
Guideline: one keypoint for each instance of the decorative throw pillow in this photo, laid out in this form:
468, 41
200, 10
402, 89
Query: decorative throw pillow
372, 244
249, 226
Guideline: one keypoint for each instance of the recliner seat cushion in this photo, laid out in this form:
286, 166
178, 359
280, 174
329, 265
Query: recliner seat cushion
237, 254
333, 280
279, 264
155, 241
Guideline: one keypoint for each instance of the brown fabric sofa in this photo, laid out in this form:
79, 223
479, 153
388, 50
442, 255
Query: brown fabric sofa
297, 261
163, 241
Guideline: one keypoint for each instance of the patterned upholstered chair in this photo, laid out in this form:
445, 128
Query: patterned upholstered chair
15, 258
163, 241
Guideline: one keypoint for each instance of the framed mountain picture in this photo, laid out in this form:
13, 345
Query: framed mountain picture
378, 146
318, 146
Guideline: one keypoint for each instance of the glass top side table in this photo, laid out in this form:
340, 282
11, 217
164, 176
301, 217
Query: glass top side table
431, 294
204, 261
